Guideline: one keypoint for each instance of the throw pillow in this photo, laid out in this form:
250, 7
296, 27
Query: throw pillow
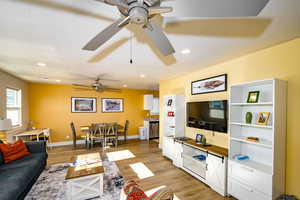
14, 151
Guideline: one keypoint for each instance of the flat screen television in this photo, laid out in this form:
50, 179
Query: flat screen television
208, 115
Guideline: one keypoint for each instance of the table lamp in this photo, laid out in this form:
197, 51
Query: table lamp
5, 124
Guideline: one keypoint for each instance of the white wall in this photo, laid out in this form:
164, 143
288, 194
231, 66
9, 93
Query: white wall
7, 80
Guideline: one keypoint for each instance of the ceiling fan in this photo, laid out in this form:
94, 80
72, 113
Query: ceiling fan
141, 12
97, 86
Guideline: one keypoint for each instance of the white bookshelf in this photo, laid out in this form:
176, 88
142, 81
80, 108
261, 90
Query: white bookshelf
264, 173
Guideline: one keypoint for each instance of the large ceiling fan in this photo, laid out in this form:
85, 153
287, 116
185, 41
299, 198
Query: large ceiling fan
141, 12
97, 86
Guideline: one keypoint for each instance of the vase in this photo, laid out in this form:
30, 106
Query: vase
249, 117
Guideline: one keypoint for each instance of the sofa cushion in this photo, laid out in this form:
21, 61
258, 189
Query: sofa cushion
14, 151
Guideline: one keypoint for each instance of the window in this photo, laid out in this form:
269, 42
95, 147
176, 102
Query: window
13, 106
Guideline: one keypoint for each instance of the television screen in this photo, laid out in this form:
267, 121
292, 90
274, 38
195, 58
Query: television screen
208, 115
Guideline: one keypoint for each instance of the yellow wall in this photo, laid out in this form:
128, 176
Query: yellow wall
281, 61
50, 106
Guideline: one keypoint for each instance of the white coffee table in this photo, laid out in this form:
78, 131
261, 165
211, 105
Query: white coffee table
85, 181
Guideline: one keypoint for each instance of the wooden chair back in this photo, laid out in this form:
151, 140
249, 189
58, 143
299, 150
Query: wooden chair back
73, 133
126, 127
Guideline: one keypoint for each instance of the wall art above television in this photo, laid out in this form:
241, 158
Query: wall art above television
209, 85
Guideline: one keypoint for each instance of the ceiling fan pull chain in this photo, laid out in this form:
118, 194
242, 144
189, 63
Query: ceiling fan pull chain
131, 59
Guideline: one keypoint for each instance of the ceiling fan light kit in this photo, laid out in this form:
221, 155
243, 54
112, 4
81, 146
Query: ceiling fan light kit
141, 12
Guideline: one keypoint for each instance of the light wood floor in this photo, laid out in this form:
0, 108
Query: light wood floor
165, 173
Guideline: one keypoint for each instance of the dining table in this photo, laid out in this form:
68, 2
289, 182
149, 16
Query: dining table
86, 129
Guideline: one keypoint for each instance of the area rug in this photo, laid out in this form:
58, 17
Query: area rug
52, 185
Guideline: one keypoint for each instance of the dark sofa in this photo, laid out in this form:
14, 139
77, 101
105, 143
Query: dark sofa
17, 177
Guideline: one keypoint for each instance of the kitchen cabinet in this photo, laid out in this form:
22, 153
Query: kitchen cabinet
177, 160
169, 147
155, 106
148, 102
151, 103
216, 173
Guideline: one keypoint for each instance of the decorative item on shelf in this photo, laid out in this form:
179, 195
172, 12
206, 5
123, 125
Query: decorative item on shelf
112, 105
204, 141
30, 125
253, 97
249, 117
199, 138
209, 85
253, 139
263, 118
171, 114
200, 157
241, 157
83, 105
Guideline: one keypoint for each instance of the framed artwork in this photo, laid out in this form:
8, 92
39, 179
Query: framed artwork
83, 105
209, 85
263, 118
253, 97
112, 105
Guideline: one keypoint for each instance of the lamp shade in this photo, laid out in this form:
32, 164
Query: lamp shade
5, 124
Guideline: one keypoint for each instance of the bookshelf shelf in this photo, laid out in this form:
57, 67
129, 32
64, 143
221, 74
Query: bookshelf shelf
266, 164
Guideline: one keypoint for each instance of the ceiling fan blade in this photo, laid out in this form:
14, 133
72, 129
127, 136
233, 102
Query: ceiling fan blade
84, 89
155, 34
105, 35
80, 85
104, 87
159, 10
118, 3
215, 8
103, 79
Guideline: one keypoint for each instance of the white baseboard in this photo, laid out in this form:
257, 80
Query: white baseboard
56, 144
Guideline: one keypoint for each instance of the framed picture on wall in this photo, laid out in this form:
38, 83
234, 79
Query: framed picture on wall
209, 85
112, 105
83, 105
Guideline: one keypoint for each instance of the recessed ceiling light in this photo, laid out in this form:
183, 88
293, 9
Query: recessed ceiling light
186, 51
58, 81
41, 64
124, 85
142, 75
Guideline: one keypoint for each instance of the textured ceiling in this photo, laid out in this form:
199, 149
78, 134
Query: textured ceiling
53, 32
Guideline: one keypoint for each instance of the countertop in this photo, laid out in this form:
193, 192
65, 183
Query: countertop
212, 148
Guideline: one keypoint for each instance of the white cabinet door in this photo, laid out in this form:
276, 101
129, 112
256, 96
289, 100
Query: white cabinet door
216, 173
155, 107
148, 102
178, 154
169, 147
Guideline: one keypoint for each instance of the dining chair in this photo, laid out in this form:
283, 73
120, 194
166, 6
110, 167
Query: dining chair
75, 137
125, 131
111, 136
96, 134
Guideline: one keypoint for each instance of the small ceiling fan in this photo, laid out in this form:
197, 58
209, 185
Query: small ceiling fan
97, 86
141, 12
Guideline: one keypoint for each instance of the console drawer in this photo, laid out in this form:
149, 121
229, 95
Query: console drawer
249, 176
245, 192
198, 167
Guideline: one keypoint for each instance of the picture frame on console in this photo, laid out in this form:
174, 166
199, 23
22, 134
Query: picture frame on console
209, 85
